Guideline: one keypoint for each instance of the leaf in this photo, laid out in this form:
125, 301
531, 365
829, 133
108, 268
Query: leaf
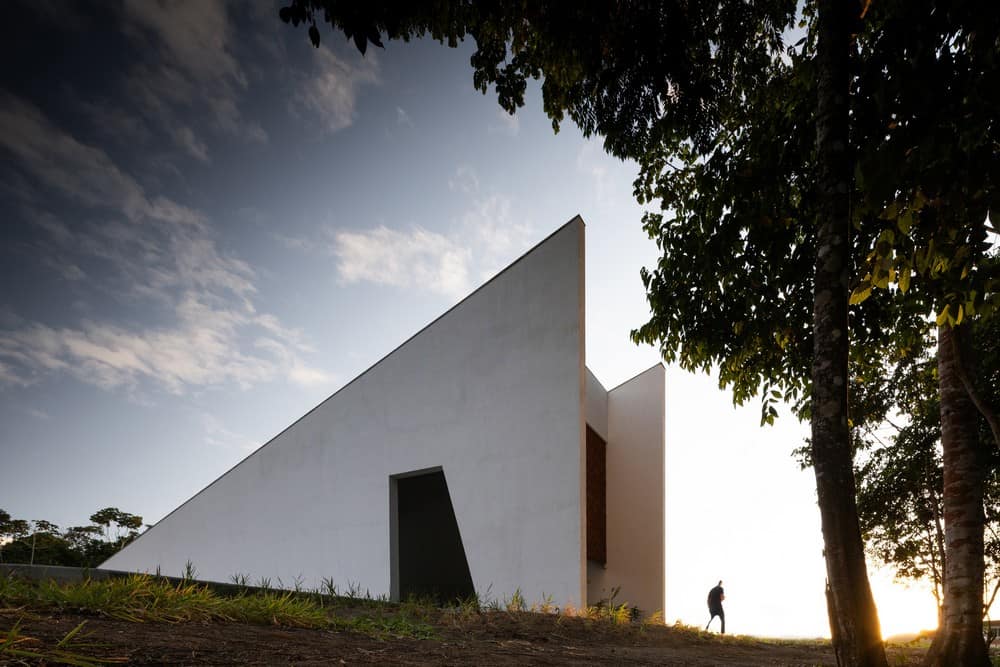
904, 279
860, 293
905, 222
943, 316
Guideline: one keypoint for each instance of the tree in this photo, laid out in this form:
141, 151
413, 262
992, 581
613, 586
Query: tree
86, 542
11, 530
901, 480
40, 542
854, 621
920, 199
762, 195
927, 144
113, 517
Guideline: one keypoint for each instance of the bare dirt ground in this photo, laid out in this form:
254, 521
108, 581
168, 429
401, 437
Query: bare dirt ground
484, 639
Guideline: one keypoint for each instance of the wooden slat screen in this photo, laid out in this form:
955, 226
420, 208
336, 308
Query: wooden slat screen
596, 497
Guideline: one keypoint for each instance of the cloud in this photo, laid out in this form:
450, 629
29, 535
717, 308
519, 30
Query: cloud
116, 123
294, 242
195, 66
465, 180
153, 251
193, 34
217, 435
416, 258
9, 376
207, 343
403, 118
60, 162
508, 124
490, 228
65, 268
589, 162
330, 92
486, 238
186, 139
38, 414
307, 376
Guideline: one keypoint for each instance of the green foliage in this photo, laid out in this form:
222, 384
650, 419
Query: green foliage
751, 198
927, 144
634, 73
900, 473
748, 198
123, 523
142, 598
40, 542
515, 602
139, 598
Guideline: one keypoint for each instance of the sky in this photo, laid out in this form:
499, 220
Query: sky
209, 226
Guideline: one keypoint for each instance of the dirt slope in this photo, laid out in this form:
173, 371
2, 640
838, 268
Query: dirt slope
487, 639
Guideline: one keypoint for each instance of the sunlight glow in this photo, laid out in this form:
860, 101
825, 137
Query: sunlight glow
903, 607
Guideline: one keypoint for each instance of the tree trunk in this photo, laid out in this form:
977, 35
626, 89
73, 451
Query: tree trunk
854, 623
959, 640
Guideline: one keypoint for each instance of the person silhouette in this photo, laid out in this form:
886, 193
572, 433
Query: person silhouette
715, 598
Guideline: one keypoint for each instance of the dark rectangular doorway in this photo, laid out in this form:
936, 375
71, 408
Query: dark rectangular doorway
597, 502
427, 558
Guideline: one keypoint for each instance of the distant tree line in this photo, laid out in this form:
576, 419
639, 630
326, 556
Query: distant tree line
41, 542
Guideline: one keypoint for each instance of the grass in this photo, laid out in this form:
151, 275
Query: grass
141, 598
148, 598
145, 598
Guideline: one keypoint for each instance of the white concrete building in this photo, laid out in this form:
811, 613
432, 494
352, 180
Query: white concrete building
480, 456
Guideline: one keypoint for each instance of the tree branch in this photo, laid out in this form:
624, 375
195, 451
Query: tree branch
983, 408
986, 607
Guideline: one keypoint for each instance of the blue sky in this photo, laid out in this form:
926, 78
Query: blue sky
209, 226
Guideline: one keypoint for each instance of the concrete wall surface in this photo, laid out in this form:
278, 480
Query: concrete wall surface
597, 405
490, 392
635, 495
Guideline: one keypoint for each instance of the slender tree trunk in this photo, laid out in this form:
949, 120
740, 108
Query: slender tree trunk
854, 623
959, 640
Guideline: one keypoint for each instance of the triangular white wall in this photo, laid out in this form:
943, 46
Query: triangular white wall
492, 392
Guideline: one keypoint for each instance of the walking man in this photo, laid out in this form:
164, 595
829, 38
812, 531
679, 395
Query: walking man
715, 598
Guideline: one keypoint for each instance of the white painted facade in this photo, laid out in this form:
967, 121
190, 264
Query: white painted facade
630, 418
495, 393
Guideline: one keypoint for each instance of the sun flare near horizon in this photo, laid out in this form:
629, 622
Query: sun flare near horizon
903, 607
